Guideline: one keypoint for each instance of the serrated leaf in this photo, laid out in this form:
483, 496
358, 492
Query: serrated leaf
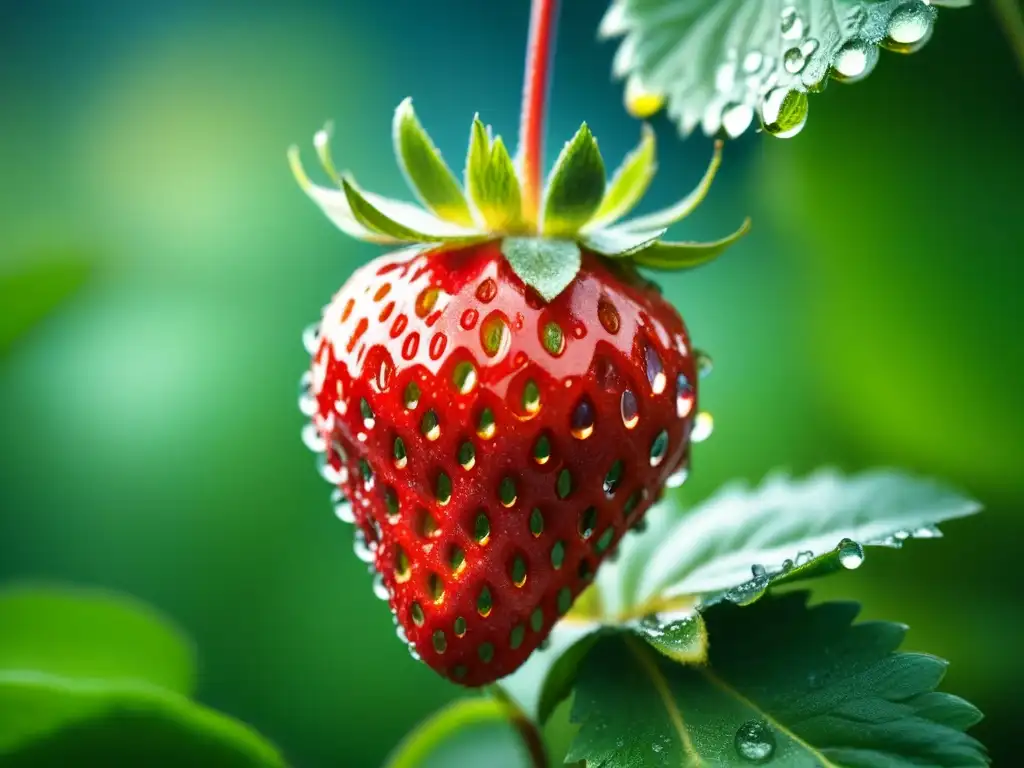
426, 171
88, 678
492, 181
785, 684
547, 266
90, 634
666, 217
619, 244
712, 547
677, 256
467, 732
561, 677
398, 221
575, 187
715, 61
629, 184
30, 292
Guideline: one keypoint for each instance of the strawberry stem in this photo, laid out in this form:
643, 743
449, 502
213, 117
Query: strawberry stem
539, 51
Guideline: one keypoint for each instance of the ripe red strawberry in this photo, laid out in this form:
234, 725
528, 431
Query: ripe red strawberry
500, 409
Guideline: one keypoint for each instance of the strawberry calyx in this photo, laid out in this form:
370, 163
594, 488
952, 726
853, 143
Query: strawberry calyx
581, 208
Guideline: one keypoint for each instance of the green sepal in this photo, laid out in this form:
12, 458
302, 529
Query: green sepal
630, 182
575, 187
492, 181
677, 256
427, 174
669, 216
334, 203
547, 266
399, 221
617, 245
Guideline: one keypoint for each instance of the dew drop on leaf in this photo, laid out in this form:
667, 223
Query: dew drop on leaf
791, 24
703, 426
851, 554
909, 27
854, 61
784, 112
755, 742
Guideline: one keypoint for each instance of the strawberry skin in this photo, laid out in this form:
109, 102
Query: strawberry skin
495, 447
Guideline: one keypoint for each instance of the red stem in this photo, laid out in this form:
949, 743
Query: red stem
535, 92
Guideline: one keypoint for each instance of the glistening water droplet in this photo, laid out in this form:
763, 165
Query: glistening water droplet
854, 61
736, 118
791, 24
794, 61
703, 426
311, 338
784, 112
909, 27
755, 742
851, 554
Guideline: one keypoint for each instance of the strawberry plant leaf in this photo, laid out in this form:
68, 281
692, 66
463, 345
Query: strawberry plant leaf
90, 634
682, 639
492, 181
785, 528
619, 244
30, 292
547, 266
426, 172
575, 187
629, 183
785, 683
676, 256
88, 678
718, 63
467, 732
560, 678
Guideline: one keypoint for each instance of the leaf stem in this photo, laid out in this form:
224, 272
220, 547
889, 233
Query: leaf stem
543, 15
527, 729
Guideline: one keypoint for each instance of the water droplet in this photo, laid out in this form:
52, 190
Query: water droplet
725, 77
758, 571
330, 473
312, 438
487, 290
704, 363
608, 315
809, 46
342, 508
752, 62
851, 554
678, 477
802, 558
311, 338
655, 371
791, 24
854, 61
784, 112
927, 532
307, 399
582, 420
909, 27
465, 377
794, 61
553, 338
736, 118
630, 409
400, 634
787, 565
379, 588
495, 335
703, 426
363, 549
755, 742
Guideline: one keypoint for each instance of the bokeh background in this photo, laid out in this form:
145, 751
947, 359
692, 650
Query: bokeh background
149, 434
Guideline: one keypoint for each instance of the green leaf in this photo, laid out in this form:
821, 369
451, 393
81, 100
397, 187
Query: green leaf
467, 732
630, 182
557, 684
786, 685
492, 181
676, 256
619, 244
91, 635
89, 678
399, 221
575, 187
547, 266
427, 173
666, 217
778, 529
30, 292
682, 639
53, 722
717, 61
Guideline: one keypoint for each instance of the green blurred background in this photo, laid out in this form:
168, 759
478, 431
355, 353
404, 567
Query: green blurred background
149, 434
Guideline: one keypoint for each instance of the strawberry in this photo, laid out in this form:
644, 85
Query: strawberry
503, 400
